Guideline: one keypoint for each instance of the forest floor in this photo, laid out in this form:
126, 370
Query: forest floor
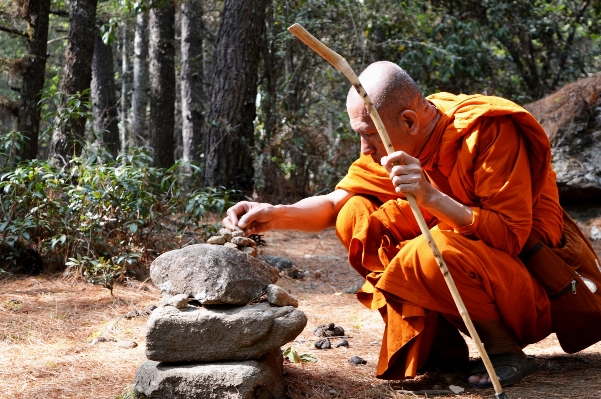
47, 324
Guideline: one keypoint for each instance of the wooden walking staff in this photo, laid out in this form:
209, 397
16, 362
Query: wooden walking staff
340, 63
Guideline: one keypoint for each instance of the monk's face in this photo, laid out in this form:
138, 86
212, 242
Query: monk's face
371, 144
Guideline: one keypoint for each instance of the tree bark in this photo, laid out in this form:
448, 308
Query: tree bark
33, 75
106, 117
124, 75
192, 91
139, 98
77, 74
229, 133
162, 82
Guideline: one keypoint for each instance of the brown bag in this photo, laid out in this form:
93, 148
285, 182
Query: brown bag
563, 273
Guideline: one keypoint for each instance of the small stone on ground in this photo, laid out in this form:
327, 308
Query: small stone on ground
357, 360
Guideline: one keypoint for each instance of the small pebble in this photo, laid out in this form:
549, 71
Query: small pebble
242, 241
226, 234
332, 392
216, 240
357, 360
341, 342
323, 344
335, 332
237, 233
278, 296
230, 245
252, 251
437, 387
132, 314
127, 344
328, 330
456, 389
353, 289
150, 309
178, 301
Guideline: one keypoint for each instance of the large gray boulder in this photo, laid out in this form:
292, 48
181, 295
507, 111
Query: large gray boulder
252, 379
572, 119
220, 333
212, 274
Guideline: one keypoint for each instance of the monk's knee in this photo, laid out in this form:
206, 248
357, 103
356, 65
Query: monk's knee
354, 214
422, 257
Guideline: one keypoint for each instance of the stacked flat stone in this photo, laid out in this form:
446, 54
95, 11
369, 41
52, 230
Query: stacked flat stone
234, 239
228, 345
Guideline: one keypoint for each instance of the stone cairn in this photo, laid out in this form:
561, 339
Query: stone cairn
212, 336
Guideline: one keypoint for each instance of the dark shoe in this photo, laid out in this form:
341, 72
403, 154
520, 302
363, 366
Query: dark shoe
504, 364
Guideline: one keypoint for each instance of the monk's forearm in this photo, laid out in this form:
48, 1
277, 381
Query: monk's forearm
448, 210
311, 214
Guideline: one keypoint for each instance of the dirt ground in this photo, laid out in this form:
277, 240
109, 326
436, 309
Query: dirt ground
47, 324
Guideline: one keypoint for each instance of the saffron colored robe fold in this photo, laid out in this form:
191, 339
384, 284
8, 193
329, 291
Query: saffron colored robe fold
487, 153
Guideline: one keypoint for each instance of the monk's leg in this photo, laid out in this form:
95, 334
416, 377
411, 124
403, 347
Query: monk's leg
412, 334
507, 306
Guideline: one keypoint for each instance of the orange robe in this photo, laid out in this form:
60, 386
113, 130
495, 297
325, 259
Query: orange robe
487, 153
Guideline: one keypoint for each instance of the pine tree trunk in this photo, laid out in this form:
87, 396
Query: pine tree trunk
139, 98
33, 75
124, 75
106, 117
229, 132
192, 91
162, 83
77, 74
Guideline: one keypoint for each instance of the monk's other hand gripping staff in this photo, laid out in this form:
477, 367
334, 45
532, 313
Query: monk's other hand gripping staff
340, 64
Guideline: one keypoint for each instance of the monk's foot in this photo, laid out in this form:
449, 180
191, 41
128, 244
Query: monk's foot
479, 378
509, 368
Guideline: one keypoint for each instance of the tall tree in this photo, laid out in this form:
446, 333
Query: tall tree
77, 75
139, 98
162, 81
106, 117
229, 133
124, 83
36, 16
192, 91
543, 42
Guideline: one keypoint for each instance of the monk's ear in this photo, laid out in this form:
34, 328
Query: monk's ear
410, 120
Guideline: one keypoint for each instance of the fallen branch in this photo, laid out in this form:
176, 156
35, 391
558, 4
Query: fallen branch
13, 31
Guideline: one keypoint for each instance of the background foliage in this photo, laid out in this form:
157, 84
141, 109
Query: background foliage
98, 213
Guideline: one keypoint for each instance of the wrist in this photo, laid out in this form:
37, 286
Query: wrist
278, 216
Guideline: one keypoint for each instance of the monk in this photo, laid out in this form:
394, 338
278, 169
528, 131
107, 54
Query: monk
479, 168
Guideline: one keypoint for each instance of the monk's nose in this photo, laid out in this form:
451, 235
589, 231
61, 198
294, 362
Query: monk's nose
367, 147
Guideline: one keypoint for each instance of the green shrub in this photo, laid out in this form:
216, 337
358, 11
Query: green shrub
97, 215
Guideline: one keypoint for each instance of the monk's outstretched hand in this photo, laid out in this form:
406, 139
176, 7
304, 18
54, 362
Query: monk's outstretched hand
252, 217
408, 177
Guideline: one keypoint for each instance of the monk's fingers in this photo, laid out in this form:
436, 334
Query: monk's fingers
259, 217
257, 228
407, 181
234, 212
400, 170
398, 158
228, 223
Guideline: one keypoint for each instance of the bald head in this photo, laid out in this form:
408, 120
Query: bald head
389, 87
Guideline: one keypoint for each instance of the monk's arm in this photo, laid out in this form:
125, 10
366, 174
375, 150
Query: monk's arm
503, 184
448, 210
408, 177
501, 215
310, 214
